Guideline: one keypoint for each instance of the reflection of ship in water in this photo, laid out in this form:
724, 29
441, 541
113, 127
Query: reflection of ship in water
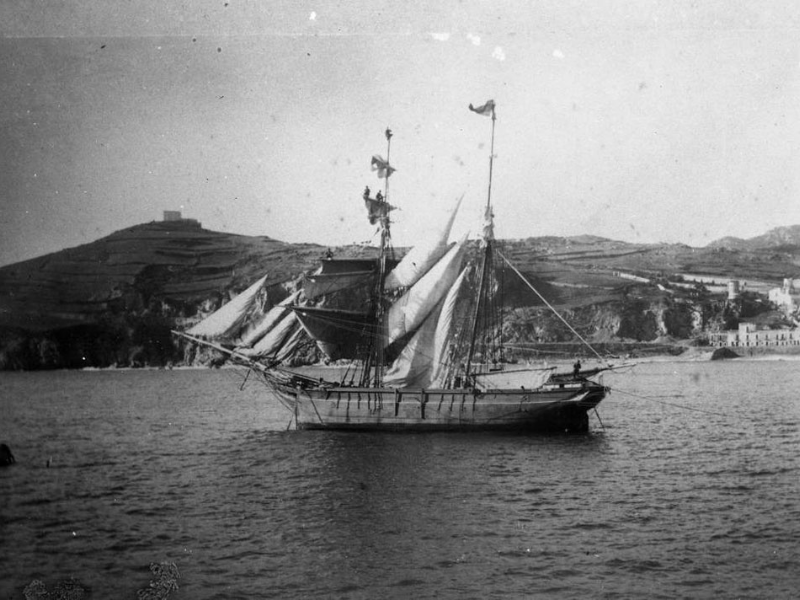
424, 337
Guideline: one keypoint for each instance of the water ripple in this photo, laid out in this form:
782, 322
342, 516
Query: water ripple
180, 466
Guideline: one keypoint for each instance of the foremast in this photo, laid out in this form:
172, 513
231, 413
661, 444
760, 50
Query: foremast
379, 209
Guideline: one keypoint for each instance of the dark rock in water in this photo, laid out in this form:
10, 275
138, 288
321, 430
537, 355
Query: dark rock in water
6, 457
164, 582
70, 589
723, 354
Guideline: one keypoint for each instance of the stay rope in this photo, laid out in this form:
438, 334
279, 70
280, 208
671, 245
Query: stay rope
673, 404
552, 308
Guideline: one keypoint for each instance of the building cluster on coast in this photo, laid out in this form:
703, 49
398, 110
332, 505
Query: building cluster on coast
749, 336
786, 299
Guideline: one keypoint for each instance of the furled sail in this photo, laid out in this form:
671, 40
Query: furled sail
488, 225
377, 210
228, 321
335, 275
348, 265
530, 379
415, 305
319, 284
421, 258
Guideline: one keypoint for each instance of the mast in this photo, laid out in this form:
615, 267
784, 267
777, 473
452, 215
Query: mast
388, 162
488, 236
374, 367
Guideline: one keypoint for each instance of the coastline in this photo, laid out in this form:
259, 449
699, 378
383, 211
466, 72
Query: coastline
642, 354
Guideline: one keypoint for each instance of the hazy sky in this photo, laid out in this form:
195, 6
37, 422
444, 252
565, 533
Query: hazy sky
643, 121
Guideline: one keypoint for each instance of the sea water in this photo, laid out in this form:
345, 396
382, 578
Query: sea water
688, 486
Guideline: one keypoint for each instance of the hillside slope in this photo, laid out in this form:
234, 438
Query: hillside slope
114, 301
176, 262
774, 238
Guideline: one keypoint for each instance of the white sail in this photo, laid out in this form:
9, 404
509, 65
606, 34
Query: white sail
260, 328
444, 334
272, 342
415, 305
413, 367
296, 335
422, 257
228, 320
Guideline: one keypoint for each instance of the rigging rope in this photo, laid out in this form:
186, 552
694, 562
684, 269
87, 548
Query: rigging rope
550, 306
655, 399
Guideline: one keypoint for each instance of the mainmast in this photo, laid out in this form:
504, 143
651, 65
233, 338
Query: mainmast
488, 237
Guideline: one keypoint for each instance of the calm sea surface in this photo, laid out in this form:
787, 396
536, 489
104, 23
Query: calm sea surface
691, 490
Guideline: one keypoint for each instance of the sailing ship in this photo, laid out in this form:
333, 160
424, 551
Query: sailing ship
421, 338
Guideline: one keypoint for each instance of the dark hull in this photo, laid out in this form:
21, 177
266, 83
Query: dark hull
555, 408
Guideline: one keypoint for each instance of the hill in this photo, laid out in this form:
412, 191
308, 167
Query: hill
779, 237
114, 301
175, 262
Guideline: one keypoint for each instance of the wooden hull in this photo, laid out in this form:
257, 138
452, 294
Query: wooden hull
558, 408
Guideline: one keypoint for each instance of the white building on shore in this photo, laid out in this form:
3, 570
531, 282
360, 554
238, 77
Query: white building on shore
748, 336
786, 297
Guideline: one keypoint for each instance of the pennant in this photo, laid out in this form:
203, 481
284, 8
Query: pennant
382, 167
487, 110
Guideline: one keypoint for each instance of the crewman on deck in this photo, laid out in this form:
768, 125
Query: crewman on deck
366, 193
576, 368
379, 196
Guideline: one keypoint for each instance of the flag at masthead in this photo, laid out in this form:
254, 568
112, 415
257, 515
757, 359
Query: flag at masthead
486, 109
381, 165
